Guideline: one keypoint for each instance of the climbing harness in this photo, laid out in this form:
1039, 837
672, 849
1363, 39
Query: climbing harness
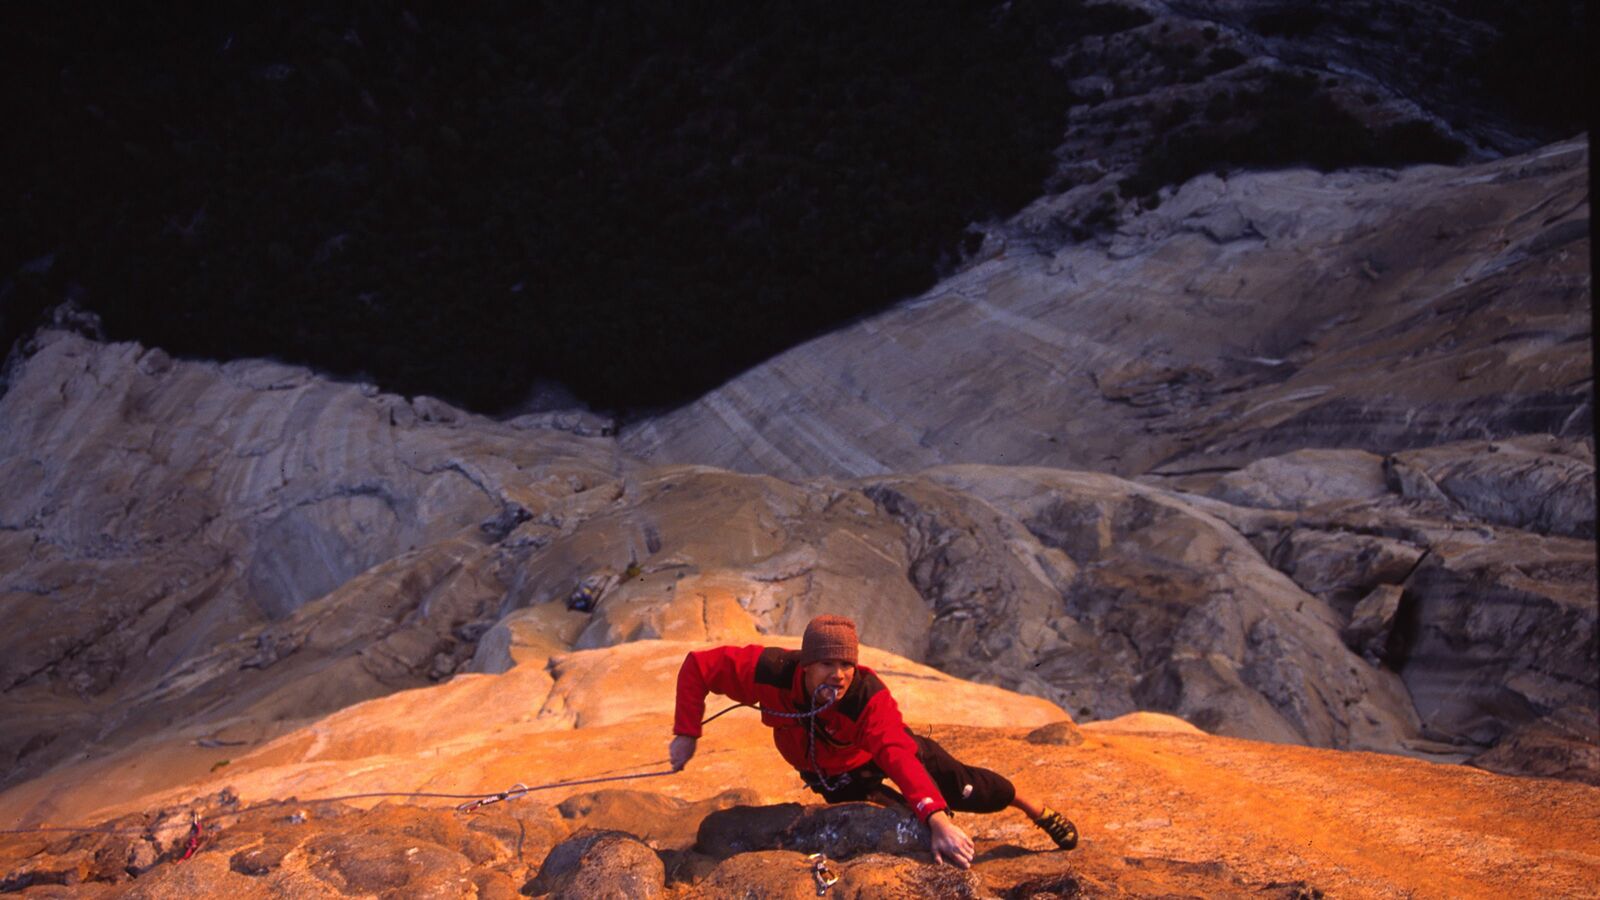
824, 876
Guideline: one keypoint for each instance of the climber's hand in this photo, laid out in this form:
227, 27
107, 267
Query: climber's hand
680, 751
948, 841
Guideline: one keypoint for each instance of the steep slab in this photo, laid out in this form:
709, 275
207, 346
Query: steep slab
1162, 809
612, 705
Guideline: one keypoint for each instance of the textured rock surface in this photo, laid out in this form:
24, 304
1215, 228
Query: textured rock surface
1169, 608
1564, 744
1164, 810
1102, 595
1344, 497
474, 730
609, 864
1533, 482
173, 532
1063, 733
840, 832
1369, 309
1483, 606
1183, 88
660, 821
1304, 478
1499, 625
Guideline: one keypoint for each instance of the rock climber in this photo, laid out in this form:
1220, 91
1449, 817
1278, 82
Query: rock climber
837, 723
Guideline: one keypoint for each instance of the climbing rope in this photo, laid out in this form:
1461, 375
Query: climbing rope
811, 742
520, 789
810, 713
197, 831
810, 716
811, 731
473, 802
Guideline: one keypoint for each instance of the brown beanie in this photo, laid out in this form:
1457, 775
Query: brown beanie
829, 637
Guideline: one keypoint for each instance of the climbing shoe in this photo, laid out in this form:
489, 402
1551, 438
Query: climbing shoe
1059, 827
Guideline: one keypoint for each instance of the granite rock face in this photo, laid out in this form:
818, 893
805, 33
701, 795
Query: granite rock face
1530, 482
1165, 810
610, 864
1485, 608
1564, 744
1304, 478
170, 531
214, 553
1165, 92
658, 820
1105, 596
1148, 602
1384, 377
1363, 310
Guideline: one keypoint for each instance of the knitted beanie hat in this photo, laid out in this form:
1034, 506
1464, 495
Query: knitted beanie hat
829, 637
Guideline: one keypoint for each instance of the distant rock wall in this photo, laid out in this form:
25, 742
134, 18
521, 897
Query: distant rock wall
1478, 599
1245, 317
158, 512
211, 553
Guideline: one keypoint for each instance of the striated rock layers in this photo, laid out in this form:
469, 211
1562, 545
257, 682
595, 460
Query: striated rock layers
1347, 501
1245, 317
201, 557
163, 522
1393, 368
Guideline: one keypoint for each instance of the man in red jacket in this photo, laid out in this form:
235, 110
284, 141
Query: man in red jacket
838, 725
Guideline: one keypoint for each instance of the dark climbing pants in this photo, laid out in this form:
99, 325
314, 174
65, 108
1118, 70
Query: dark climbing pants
965, 788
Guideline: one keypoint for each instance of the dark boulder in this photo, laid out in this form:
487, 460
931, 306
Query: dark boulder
656, 819
600, 864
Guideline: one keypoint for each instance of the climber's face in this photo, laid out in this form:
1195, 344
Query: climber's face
835, 673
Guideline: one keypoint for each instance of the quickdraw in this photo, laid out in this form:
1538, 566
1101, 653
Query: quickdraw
512, 793
824, 876
197, 833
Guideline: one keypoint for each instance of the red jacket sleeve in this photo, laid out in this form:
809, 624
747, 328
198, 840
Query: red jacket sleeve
883, 734
730, 671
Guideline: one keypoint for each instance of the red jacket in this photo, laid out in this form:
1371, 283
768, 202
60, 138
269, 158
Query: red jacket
864, 726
